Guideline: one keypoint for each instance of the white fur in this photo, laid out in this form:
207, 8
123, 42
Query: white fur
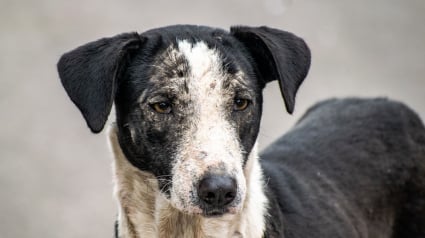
144, 212
210, 142
136, 192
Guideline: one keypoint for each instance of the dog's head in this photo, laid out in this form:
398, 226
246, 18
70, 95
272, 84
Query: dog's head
188, 102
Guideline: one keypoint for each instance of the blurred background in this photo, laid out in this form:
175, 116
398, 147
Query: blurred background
55, 176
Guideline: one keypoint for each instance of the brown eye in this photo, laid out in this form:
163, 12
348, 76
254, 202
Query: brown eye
161, 107
240, 104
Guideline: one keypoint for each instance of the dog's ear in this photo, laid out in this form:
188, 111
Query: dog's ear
90, 74
278, 55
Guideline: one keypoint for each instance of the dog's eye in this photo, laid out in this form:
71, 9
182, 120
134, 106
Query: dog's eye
240, 104
161, 107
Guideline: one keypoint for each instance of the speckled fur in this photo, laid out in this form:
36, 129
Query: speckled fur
210, 143
145, 212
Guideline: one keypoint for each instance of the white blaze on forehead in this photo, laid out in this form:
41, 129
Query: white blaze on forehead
202, 60
210, 100
210, 141
205, 81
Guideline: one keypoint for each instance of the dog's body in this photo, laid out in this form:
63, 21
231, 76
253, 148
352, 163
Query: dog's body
188, 105
349, 168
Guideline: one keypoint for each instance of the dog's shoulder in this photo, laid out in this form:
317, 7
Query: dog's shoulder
338, 153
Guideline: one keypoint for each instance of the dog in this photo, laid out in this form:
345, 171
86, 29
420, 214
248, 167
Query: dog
188, 104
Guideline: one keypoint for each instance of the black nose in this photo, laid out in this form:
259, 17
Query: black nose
217, 191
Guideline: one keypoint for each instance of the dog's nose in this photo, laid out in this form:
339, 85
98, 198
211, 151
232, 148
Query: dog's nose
217, 191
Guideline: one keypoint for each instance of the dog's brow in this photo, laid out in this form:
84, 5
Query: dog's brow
237, 82
143, 96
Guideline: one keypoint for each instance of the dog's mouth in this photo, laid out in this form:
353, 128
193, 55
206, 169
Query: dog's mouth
214, 213
207, 212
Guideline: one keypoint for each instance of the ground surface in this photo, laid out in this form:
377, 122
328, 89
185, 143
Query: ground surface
55, 176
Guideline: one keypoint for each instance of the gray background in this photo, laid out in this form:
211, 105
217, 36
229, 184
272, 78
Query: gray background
55, 178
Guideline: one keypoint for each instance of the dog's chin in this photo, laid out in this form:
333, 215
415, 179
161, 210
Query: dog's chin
210, 213
186, 209
213, 213
206, 212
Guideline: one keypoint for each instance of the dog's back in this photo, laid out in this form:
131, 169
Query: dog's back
349, 168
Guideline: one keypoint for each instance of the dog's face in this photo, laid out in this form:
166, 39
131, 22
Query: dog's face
193, 112
188, 103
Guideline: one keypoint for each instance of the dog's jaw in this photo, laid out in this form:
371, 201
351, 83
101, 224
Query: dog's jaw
135, 191
144, 212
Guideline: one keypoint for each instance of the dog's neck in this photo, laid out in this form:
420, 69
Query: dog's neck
144, 212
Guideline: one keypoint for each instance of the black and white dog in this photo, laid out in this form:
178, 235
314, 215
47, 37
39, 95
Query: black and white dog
188, 102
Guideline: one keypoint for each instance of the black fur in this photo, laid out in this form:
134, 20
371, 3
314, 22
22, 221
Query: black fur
91, 72
349, 168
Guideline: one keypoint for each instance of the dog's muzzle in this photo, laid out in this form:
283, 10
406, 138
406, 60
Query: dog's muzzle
216, 193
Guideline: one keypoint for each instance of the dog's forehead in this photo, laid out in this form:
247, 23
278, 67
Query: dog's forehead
201, 61
204, 64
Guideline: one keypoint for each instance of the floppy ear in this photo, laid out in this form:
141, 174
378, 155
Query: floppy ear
90, 74
278, 55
